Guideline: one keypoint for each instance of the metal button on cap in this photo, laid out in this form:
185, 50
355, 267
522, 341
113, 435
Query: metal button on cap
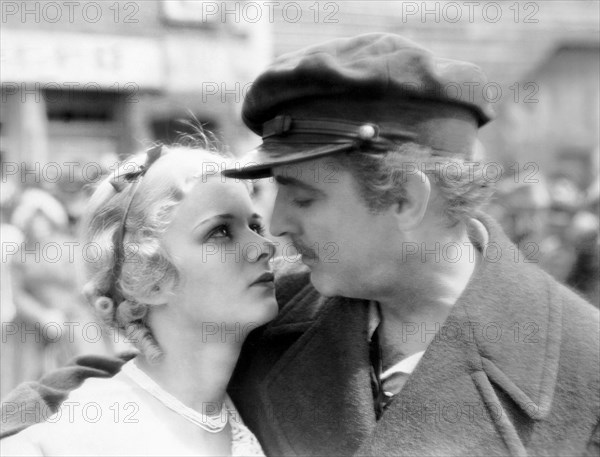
366, 132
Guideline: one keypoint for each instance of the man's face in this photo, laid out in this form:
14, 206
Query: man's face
349, 250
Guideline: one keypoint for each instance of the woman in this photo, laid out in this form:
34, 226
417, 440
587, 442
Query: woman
183, 270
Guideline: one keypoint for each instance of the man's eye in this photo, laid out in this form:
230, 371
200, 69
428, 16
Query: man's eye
302, 202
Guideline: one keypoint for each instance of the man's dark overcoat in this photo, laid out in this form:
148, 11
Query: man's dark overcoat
514, 371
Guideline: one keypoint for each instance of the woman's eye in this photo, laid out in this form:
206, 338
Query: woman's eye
258, 228
222, 231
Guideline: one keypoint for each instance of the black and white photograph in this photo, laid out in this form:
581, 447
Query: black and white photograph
300, 228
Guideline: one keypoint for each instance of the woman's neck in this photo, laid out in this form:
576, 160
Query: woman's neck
194, 371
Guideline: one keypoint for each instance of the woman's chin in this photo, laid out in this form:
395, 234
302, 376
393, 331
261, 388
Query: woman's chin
271, 308
266, 311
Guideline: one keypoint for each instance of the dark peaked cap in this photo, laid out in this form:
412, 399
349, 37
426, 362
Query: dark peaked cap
371, 91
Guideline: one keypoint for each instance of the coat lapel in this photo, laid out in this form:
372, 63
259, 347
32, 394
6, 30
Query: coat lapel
320, 388
519, 314
492, 365
447, 407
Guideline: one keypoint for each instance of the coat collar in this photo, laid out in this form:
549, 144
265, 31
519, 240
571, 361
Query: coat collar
516, 322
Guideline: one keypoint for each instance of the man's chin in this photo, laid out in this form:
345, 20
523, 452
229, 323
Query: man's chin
322, 284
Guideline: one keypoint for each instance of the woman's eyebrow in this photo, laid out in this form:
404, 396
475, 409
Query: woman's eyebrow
205, 221
226, 216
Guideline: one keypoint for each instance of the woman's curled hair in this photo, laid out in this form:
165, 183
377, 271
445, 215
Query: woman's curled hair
146, 267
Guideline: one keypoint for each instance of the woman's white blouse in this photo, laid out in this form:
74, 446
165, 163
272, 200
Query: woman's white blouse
109, 417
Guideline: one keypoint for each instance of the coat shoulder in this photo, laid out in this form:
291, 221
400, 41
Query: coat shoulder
581, 320
580, 334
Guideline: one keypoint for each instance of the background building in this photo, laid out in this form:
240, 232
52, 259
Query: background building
81, 80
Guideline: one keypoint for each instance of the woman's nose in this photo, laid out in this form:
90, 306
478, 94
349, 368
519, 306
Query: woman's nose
280, 222
269, 251
263, 249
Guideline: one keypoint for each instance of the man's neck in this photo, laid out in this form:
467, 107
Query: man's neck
413, 315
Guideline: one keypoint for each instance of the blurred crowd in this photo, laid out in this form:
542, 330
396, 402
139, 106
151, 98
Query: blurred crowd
45, 320
554, 220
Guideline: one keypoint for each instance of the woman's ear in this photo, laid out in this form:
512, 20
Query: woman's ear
159, 296
410, 213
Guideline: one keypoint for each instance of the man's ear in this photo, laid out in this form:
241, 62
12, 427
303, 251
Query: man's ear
411, 212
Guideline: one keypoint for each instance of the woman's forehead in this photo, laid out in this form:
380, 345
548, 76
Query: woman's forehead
180, 168
216, 189
192, 160
214, 195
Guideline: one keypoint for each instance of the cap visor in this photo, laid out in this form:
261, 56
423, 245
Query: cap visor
259, 163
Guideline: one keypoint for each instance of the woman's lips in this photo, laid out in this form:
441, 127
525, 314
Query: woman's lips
264, 279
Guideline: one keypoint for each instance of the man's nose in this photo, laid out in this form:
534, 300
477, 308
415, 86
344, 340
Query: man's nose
280, 219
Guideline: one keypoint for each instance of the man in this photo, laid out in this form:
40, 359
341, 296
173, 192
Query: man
415, 327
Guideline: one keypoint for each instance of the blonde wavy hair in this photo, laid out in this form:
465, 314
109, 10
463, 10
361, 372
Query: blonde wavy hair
145, 266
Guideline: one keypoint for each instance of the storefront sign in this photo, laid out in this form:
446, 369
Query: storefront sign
110, 62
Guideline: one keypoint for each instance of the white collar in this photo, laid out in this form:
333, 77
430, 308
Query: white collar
406, 365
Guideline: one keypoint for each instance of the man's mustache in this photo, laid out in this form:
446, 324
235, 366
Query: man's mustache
304, 250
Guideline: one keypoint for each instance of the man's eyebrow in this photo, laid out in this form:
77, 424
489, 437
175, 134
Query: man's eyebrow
287, 181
